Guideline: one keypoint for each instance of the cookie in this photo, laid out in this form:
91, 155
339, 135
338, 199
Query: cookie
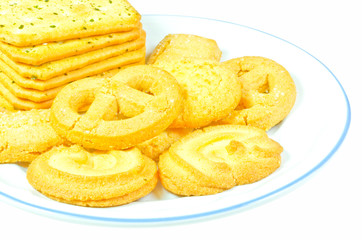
136, 104
155, 146
76, 176
217, 158
211, 91
25, 135
268, 92
185, 45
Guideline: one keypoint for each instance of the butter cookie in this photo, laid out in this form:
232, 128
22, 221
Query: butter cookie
136, 104
268, 92
211, 91
217, 158
185, 45
24, 135
76, 176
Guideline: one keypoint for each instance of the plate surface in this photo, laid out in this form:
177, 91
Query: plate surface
310, 135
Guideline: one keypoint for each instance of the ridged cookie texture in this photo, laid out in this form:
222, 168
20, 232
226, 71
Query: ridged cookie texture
268, 92
136, 104
211, 91
76, 176
217, 158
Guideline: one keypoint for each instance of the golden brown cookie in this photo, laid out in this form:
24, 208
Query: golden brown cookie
155, 146
25, 135
211, 91
185, 45
217, 158
136, 104
93, 178
268, 92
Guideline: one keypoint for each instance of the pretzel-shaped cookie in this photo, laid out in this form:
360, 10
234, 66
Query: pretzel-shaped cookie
268, 92
217, 158
136, 104
95, 179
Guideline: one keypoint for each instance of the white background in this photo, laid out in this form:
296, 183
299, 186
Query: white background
327, 204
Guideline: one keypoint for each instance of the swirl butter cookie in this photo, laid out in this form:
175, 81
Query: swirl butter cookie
217, 158
76, 176
268, 92
211, 91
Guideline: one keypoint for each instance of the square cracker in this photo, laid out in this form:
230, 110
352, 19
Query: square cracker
32, 22
39, 54
41, 96
21, 103
26, 104
28, 93
89, 70
56, 68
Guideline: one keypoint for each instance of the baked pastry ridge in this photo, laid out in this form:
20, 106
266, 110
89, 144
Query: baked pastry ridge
217, 158
268, 92
133, 106
83, 177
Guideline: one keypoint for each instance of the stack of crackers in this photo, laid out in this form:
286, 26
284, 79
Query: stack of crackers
45, 44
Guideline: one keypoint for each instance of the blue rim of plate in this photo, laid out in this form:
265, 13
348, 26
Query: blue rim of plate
221, 210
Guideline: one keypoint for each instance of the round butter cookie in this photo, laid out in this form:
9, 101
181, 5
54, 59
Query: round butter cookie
76, 176
136, 104
217, 158
211, 91
24, 135
268, 92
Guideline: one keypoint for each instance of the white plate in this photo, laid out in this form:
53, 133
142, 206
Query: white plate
310, 135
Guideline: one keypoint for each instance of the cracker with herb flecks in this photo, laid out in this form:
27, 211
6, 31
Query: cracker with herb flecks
56, 68
39, 54
32, 22
125, 59
28, 93
22, 103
